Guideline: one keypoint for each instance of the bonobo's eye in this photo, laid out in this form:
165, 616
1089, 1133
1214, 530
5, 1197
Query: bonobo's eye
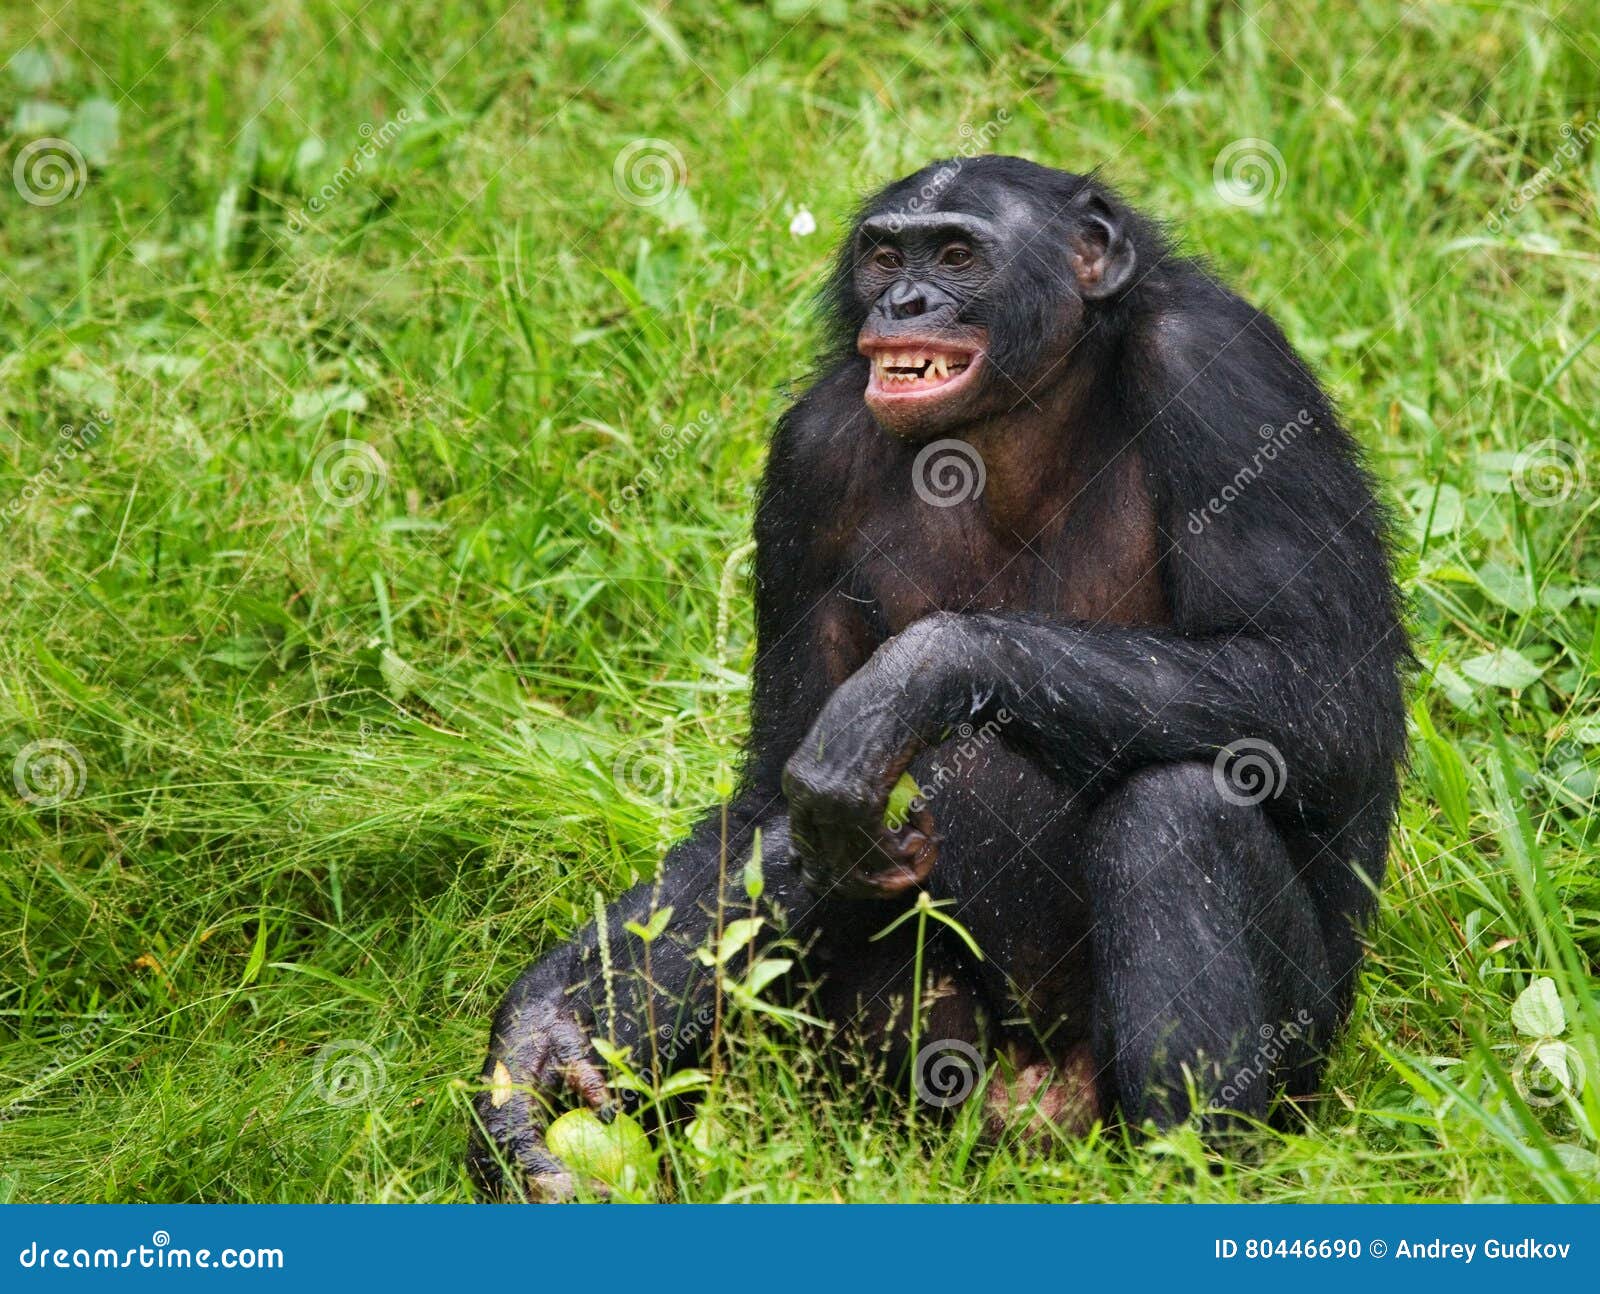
957, 256
886, 258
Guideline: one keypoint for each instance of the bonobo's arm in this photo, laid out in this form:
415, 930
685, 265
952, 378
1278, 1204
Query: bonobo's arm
1091, 704
1284, 634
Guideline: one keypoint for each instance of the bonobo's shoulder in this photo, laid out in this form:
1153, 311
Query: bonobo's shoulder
1195, 324
816, 432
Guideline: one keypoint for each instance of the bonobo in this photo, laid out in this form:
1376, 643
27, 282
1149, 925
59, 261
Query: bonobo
1069, 532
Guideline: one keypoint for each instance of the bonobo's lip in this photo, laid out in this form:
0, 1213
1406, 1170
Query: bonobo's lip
917, 371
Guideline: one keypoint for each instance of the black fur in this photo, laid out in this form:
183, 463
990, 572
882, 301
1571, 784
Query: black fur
1070, 661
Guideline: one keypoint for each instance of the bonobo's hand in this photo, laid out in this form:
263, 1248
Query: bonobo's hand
539, 1061
838, 781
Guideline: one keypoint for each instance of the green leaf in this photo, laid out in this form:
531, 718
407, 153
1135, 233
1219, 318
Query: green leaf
619, 1060
616, 1154
258, 954
765, 971
309, 405
1504, 667
754, 881
1507, 587
1456, 689
33, 68
899, 809
651, 930
94, 130
1575, 1159
684, 1081
1537, 1011
1562, 1063
735, 936
38, 117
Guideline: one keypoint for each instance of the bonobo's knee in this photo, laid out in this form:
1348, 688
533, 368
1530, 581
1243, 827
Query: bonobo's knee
1209, 963
1178, 802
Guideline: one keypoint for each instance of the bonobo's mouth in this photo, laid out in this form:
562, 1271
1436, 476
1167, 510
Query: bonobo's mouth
912, 372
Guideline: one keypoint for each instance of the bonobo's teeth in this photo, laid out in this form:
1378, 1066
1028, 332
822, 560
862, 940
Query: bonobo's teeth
917, 368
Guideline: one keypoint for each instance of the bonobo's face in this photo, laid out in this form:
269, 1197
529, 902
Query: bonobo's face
920, 277
967, 314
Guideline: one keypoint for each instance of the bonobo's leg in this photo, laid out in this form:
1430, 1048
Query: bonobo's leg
659, 1008
1207, 951
866, 990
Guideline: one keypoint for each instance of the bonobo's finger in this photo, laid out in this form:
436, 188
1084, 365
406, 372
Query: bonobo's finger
536, 1060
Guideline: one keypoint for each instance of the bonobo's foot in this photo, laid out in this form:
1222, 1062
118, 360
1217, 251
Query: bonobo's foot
841, 843
1030, 1096
539, 1059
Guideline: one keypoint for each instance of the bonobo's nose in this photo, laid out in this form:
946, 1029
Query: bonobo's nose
906, 301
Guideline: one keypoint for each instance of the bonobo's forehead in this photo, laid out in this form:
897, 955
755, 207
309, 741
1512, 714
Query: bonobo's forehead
1013, 194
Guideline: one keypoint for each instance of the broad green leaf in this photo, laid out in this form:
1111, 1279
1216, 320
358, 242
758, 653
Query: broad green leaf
94, 130
735, 936
1507, 587
309, 405
684, 1081
765, 971
1537, 1012
33, 68
1562, 1063
38, 117
1504, 667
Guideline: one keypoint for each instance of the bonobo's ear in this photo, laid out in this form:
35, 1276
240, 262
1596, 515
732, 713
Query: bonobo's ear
1102, 254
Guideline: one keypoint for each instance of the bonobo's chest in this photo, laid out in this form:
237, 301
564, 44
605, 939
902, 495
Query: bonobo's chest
1085, 550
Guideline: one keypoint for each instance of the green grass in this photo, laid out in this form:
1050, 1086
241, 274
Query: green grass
346, 769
